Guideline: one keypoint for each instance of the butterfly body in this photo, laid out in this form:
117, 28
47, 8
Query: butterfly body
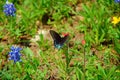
58, 41
57, 45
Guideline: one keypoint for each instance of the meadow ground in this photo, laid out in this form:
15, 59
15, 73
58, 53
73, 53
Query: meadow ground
91, 50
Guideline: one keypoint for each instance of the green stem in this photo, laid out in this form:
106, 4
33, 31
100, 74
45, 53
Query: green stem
84, 63
67, 59
10, 24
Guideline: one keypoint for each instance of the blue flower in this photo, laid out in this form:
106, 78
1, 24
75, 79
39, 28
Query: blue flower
117, 1
15, 54
9, 9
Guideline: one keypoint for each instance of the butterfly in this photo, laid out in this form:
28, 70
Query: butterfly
58, 40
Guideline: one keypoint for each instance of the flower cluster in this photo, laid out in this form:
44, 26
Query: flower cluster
116, 20
65, 34
15, 54
9, 9
117, 1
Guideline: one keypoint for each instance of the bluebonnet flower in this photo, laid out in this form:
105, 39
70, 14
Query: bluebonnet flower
9, 9
15, 54
117, 1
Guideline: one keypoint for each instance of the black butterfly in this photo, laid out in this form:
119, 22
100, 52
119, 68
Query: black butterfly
58, 41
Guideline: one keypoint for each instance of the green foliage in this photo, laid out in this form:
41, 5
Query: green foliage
97, 59
28, 68
97, 22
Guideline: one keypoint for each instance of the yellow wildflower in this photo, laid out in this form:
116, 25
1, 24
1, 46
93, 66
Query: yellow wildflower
117, 71
116, 20
119, 18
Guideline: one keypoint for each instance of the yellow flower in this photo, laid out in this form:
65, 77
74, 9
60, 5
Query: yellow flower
116, 20
119, 19
117, 71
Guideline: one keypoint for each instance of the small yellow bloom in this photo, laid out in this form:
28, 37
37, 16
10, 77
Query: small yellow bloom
116, 20
117, 71
119, 18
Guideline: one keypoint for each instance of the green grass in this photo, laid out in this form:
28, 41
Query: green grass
97, 59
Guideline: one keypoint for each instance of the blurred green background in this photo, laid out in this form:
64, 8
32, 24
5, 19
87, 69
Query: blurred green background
85, 20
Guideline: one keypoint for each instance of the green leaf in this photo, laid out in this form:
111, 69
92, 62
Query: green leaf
28, 52
111, 73
102, 72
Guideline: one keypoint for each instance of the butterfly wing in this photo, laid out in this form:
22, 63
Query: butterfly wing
56, 37
64, 39
58, 41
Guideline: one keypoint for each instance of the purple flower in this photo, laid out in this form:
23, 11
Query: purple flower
9, 9
117, 1
15, 54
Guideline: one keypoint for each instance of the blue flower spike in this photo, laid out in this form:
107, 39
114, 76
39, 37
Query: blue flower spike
9, 9
15, 54
117, 1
